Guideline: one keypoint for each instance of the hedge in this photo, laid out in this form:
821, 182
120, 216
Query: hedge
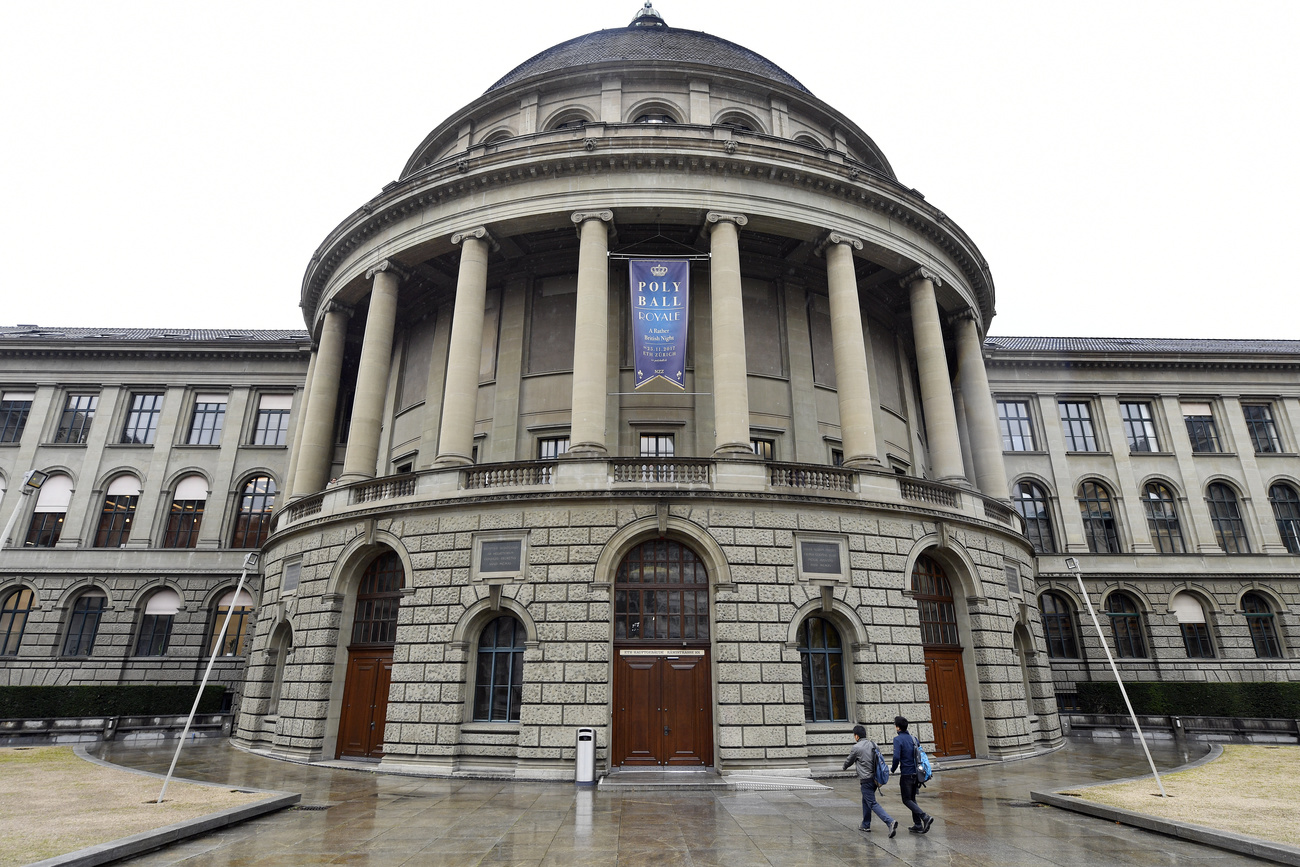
38, 702
1269, 700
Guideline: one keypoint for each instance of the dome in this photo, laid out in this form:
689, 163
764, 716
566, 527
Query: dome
641, 42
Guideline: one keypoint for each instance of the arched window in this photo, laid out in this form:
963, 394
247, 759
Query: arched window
1191, 621
821, 654
379, 595
156, 624
14, 611
655, 116
1058, 626
1098, 519
1162, 519
83, 626
186, 515
253, 524
1263, 626
661, 592
1031, 502
570, 121
1225, 515
118, 513
1126, 625
739, 122
934, 600
241, 610
51, 507
499, 681
1286, 509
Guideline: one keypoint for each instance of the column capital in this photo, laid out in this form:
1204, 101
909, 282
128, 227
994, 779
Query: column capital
580, 217
478, 233
388, 265
338, 307
714, 217
834, 237
920, 274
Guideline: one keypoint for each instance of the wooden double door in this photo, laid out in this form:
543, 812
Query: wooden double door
949, 709
365, 704
662, 707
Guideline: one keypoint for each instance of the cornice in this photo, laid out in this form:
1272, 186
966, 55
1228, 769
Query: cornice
1002, 358
72, 351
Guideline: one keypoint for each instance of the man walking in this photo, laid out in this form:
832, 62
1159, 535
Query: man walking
905, 758
864, 754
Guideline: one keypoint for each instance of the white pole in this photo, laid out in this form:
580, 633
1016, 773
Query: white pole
249, 562
1073, 565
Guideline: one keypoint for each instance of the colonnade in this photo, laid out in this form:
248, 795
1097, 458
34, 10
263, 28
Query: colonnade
313, 446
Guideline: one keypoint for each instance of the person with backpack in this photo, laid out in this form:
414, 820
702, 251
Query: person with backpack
871, 769
907, 761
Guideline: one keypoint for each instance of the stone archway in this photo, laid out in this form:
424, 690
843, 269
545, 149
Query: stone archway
944, 672
370, 659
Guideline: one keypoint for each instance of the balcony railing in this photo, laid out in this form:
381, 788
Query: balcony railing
661, 470
921, 491
812, 478
510, 475
382, 489
304, 508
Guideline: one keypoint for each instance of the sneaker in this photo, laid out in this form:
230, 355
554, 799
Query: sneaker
865, 827
929, 820
893, 829
916, 829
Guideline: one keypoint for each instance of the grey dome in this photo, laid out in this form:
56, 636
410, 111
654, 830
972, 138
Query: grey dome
658, 43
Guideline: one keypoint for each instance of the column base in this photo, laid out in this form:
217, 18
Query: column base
863, 462
586, 451
957, 482
451, 460
349, 478
735, 452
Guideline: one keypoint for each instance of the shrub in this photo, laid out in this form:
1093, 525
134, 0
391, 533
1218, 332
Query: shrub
1267, 699
35, 702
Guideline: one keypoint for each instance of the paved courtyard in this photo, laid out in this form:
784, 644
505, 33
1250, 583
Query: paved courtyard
984, 817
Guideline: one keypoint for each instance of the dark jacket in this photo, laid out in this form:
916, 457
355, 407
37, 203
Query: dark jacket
904, 753
864, 753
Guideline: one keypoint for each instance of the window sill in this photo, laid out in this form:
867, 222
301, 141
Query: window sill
1277, 455
12, 445
490, 728
262, 446
1026, 452
1134, 454
829, 727
197, 446
128, 445
1098, 453
1214, 454
63, 445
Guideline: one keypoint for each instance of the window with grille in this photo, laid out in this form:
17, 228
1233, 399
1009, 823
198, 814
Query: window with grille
208, 419
253, 523
272, 427
1031, 502
551, 447
657, 445
661, 592
1263, 628
156, 624
51, 507
1058, 626
499, 678
821, 654
185, 517
1126, 626
1139, 427
240, 609
119, 511
764, 448
1225, 516
15, 406
1193, 626
83, 625
379, 595
1162, 519
1076, 424
1099, 524
142, 419
14, 612
74, 422
934, 600
1017, 426
1201, 429
1263, 430
1286, 509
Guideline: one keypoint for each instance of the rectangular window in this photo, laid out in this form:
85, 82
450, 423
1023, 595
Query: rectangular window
1201, 429
45, 529
272, 420
209, 417
14, 408
549, 448
1263, 431
764, 448
656, 445
155, 632
74, 423
1139, 427
837, 457
1196, 641
1076, 423
142, 420
183, 523
1017, 426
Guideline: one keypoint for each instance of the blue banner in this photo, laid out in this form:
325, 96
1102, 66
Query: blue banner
661, 294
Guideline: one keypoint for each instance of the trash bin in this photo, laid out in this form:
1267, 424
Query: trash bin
585, 760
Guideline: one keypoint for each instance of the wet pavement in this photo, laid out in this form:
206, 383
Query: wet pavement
983, 817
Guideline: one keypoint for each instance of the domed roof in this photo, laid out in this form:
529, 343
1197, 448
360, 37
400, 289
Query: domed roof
648, 38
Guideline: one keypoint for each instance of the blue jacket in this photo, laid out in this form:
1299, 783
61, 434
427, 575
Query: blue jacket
904, 753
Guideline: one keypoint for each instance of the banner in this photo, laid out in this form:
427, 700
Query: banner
661, 294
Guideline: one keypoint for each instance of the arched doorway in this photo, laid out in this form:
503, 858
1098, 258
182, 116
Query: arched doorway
944, 674
662, 683
370, 660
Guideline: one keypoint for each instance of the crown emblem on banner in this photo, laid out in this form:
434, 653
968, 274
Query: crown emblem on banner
659, 270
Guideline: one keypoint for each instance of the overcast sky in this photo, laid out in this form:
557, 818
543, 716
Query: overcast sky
1127, 168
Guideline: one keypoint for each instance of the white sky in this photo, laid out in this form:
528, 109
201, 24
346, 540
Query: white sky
1127, 168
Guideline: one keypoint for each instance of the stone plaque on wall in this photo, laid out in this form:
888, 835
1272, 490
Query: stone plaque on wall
499, 556
822, 558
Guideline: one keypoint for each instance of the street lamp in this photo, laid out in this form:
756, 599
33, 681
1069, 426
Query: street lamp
32, 481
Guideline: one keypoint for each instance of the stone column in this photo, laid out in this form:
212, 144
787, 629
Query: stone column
296, 443
362, 455
936, 384
317, 449
460, 394
730, 374
849, 349
591, 333
985, 438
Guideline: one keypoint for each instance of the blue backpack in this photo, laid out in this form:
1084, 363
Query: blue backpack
923, 770
882, 769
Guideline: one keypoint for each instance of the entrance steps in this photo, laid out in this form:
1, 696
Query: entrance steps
657, 779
